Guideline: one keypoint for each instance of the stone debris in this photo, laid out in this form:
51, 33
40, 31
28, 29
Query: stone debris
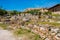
29, 21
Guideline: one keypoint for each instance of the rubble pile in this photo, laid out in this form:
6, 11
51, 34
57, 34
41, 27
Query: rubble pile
29, 21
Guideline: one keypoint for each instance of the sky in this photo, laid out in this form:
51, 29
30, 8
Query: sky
21, 5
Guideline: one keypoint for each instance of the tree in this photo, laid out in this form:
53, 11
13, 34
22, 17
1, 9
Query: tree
2, 12
14, 12
34, 12
47, 13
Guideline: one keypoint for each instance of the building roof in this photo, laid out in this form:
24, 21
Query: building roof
54, 6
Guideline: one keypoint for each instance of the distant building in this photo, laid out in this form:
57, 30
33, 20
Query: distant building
55, 9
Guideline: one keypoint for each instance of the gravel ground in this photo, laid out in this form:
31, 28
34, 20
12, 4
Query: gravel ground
6, 35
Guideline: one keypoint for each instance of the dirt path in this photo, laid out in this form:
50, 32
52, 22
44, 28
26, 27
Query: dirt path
6, 35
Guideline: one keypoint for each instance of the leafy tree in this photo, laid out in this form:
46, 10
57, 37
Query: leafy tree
2, 12
35, 12
31, 12
48, 13
15, 12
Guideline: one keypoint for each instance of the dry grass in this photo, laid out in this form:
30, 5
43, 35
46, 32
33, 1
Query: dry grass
28, 34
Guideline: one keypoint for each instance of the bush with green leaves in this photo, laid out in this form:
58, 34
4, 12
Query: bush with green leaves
2, 12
